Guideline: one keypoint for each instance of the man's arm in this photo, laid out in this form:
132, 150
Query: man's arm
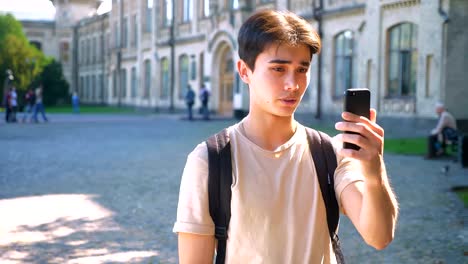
440, 124
370, 204
196, 249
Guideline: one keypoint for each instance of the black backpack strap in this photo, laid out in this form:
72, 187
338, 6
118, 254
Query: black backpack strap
324, 158
219, 188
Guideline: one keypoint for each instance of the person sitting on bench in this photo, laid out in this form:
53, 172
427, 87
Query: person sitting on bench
446, 130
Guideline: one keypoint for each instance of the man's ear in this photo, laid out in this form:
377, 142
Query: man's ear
243, 70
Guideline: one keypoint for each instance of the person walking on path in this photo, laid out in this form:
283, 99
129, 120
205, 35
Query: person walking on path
39, 105
190, 100
75, 103
204, 98
29, 99
277, 211
12, 104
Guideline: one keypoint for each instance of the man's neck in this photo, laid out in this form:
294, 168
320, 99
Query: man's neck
269, 132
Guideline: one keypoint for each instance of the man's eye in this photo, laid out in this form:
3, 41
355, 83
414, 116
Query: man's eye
303, 70
278, 69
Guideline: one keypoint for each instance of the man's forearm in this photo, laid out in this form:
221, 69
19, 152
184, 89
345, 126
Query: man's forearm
379, 212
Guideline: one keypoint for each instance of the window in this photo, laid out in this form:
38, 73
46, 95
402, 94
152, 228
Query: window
88, 87
164, 78
114, 84
193, 69
116, 35
234, 4
93, 87
135, 31
345, 69
102, 47
125, 33
146, 92
402, 56
81, 87
184, 75
133, 91
167, 12
64, 49
93, 47
82, 50
187, 15
149, 9
98, 86
206, 8
123, 83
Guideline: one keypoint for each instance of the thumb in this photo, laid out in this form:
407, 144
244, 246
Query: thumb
373, 115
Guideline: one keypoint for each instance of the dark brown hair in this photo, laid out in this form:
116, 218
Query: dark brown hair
274, 27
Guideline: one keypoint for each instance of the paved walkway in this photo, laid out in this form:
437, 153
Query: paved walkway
104, 189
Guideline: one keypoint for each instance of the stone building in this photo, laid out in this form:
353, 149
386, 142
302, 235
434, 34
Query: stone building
409, 53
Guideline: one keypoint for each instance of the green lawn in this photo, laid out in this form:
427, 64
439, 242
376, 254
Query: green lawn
462, 192
407, 146
91, 109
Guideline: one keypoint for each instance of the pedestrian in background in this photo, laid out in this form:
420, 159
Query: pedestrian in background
39, 105
29, 100
204, 98
190, 100
75, 103
13, 105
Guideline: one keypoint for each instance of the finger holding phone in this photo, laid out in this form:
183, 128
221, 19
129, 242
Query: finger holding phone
362, 139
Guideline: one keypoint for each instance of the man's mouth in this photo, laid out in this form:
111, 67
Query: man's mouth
289, 101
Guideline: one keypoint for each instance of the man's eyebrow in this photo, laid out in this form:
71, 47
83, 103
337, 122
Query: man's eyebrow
279, 61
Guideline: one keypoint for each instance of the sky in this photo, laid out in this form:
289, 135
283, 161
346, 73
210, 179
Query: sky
38, 9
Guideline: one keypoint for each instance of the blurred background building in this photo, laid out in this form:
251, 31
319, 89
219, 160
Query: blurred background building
144, 53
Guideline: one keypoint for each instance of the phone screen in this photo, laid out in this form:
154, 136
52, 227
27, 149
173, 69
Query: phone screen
357, 101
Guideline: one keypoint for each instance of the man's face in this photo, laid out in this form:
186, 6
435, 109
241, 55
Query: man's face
280, 78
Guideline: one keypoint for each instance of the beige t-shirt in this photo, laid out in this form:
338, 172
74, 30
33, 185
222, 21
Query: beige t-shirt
277, 211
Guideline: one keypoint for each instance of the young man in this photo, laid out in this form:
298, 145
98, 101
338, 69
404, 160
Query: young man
277, 211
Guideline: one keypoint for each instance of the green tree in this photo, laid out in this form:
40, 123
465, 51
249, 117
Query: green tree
55, 87
18, 55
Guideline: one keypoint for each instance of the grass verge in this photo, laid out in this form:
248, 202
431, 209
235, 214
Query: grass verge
462, 192
91, 109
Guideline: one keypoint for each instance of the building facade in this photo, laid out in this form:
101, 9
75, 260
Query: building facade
409, 53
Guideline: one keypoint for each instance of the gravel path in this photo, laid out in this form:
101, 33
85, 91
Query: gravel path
104, 189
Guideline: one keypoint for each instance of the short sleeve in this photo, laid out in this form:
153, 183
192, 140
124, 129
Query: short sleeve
348, 171
193, 214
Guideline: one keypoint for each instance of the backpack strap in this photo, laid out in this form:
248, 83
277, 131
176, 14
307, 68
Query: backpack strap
324, 158
219, 188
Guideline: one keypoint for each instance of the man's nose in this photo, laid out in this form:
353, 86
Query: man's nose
291, 83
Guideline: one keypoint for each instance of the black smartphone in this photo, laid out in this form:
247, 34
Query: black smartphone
356, 101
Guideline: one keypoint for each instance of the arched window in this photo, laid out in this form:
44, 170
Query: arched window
184, 75
164, 78
403, 58
345, 69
